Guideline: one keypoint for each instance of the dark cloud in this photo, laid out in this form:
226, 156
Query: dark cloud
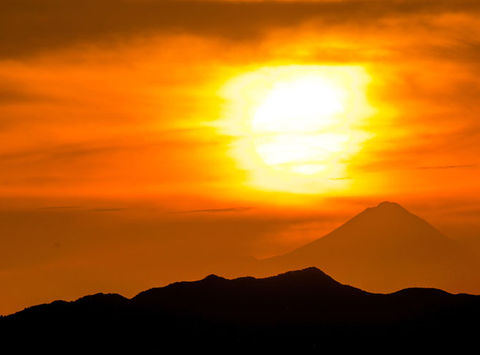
66, 152
59, 207
13, 93
217, 210
463, 51
31, 26
118, 209
68, 208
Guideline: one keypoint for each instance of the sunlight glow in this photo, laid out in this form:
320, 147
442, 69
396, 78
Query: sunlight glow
297, 127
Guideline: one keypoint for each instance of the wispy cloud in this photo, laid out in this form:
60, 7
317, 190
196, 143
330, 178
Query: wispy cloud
217, 210
434, 167
112, 209
60, 207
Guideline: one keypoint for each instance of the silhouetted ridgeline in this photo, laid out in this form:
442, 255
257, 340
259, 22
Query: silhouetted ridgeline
296, 310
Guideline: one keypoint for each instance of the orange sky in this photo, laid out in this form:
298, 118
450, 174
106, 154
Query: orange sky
111, 152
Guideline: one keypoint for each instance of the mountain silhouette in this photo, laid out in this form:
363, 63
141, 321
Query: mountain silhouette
384, 249
297, 310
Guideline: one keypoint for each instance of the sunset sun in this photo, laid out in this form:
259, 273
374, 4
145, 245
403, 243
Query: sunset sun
296, 127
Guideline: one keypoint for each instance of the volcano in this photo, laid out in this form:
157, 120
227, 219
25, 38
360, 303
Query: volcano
384, 249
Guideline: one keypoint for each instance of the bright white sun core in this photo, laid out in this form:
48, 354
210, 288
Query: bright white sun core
297, 127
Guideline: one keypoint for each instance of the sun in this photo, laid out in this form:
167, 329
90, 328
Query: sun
295, 128
305, 104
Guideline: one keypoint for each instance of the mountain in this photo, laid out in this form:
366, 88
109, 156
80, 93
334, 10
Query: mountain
296, 311
384, 249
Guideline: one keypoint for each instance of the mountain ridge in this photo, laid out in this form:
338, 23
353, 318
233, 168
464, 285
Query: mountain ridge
307, 276
295, 310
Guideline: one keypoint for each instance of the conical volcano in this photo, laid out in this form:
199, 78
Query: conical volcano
386, 248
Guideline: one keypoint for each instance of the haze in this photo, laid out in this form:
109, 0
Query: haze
120, 166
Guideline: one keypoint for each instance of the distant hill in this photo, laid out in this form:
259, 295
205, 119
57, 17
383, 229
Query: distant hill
384, 249
298, 310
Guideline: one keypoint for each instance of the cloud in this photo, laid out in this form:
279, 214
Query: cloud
466, 166
67, 152
464, 50
10, 95
217, 210
113, 209
59, 207
30, 26
13, 92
